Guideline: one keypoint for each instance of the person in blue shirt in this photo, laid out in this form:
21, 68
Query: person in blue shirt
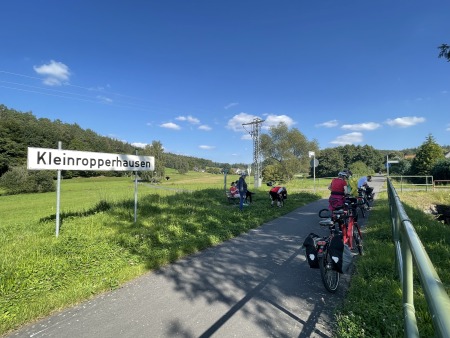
242, 187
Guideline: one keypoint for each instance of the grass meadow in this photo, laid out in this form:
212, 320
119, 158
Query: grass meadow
373, 306
100, 247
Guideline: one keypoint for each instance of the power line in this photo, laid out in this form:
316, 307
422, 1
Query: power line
255, 133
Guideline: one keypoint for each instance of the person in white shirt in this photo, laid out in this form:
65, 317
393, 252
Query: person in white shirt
363, 184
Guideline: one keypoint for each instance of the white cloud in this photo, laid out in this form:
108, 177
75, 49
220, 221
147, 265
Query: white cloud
404, 122
235, 123
55, 73
448, 127
274, 120
204, 127
350, 138
362, 126
139, 144
246, 137
328, 124
232, 104
105, 99
206, 147
189, 119
170, 125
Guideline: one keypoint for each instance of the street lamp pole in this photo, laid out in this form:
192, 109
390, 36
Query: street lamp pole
313, 154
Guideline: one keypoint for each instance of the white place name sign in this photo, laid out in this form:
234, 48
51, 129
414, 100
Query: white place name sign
55, 159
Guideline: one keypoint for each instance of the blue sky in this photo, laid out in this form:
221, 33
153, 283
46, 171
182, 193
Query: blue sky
189, 73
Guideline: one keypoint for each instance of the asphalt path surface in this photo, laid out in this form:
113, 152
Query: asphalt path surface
256, 285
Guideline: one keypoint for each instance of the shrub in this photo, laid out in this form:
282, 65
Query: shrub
19, 180
441, 170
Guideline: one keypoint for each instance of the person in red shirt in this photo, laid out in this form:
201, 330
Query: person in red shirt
339, 189
234, 190
277, 194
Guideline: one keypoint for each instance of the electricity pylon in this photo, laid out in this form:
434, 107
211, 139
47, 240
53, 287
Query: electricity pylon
254, 133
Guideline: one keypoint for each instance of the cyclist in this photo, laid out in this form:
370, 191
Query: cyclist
365, 190
277, 194
339, 189
352, 184
363, 184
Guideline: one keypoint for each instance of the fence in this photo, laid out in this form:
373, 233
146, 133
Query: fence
441, 184
409, 249
411, 182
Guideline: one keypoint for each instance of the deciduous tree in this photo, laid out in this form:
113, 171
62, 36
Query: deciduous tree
157, 151
287, 150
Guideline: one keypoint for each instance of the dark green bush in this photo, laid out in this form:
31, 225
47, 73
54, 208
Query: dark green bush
441, 170
19, 180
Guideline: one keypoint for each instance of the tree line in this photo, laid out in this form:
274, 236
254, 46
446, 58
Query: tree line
19, 130
284, 152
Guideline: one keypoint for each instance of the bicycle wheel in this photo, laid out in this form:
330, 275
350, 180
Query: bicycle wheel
368, 202
357, 238
362, 211
330, 277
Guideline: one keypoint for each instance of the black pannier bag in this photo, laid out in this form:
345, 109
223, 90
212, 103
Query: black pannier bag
310, 245
341, 254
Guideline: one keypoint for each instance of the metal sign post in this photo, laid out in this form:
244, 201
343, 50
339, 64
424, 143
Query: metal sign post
314, 164
388, 163
225, 172
135, 193
58, 194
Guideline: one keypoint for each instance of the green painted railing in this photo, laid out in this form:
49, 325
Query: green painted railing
409, 249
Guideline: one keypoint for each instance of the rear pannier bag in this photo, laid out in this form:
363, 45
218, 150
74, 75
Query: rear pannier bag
310, 245
341, 254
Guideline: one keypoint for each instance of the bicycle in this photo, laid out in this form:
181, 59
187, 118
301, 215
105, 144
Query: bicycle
330, 276
366, 196
346, 217
352, 235
362, 203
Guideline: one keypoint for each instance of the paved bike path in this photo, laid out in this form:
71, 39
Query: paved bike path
256, 285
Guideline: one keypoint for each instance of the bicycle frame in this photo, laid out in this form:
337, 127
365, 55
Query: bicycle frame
347, 220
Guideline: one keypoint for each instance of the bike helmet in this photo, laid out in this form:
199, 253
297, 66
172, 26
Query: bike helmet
342, 173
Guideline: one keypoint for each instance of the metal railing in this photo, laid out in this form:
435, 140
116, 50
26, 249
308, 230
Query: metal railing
409, 249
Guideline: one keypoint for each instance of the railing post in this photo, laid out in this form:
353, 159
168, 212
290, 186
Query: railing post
409, 311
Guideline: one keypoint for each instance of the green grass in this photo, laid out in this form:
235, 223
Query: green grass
373, 305
99, 246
